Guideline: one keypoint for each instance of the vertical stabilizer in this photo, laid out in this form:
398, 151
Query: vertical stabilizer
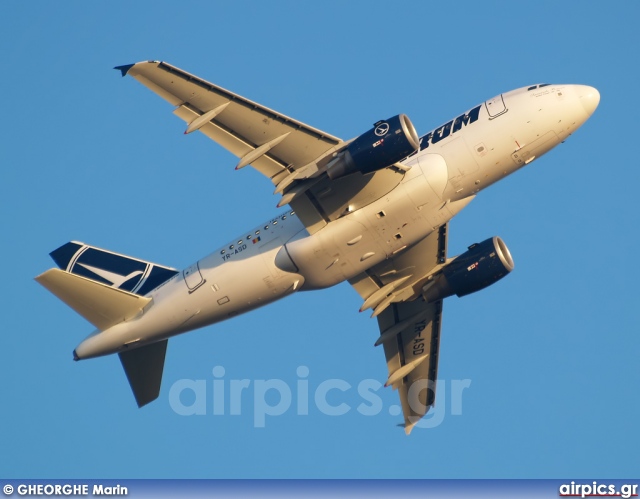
113, 269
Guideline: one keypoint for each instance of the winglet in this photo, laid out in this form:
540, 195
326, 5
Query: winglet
124, 69
408, 426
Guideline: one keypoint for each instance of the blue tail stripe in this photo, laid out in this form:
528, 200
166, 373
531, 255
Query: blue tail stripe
158, 276
63, 255
80, 259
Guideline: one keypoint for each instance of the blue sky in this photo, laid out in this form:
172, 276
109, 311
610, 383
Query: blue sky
551, 351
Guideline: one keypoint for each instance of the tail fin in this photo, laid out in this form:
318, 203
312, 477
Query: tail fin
102, 305
107, 288
112, 269
143, 367
103, 287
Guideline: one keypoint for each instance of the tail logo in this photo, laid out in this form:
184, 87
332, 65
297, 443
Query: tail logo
115, 270
116, 280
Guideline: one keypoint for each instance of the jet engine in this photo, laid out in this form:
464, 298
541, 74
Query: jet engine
386, 143
480, 266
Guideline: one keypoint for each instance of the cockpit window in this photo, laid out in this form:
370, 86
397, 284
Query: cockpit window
544, 85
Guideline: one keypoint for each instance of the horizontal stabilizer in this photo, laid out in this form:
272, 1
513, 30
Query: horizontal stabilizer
102, 305
143, 367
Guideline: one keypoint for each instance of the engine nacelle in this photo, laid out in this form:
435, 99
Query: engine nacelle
386, 143
482, 265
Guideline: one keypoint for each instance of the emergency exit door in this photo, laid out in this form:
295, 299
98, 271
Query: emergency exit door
192, 277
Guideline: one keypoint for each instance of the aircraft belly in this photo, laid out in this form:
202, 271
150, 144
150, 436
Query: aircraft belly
357, 242
334, 253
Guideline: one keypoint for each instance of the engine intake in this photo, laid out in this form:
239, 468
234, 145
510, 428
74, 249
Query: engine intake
386, 143
479, 267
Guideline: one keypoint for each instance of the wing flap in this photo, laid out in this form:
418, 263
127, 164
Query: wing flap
243, 125
160, 90
409, 327
235, 144
415, 348
402, 277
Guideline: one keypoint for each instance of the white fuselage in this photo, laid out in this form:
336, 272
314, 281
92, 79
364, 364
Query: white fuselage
279, 257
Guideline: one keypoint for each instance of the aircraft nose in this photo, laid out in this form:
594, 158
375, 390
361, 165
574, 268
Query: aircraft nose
589, 98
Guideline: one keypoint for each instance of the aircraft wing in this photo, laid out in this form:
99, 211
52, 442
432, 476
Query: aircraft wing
288, 152
409, 327
241, 126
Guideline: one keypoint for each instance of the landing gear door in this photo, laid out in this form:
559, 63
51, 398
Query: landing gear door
495, 107
192, 277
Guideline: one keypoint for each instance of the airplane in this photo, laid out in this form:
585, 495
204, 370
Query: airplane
373, 211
